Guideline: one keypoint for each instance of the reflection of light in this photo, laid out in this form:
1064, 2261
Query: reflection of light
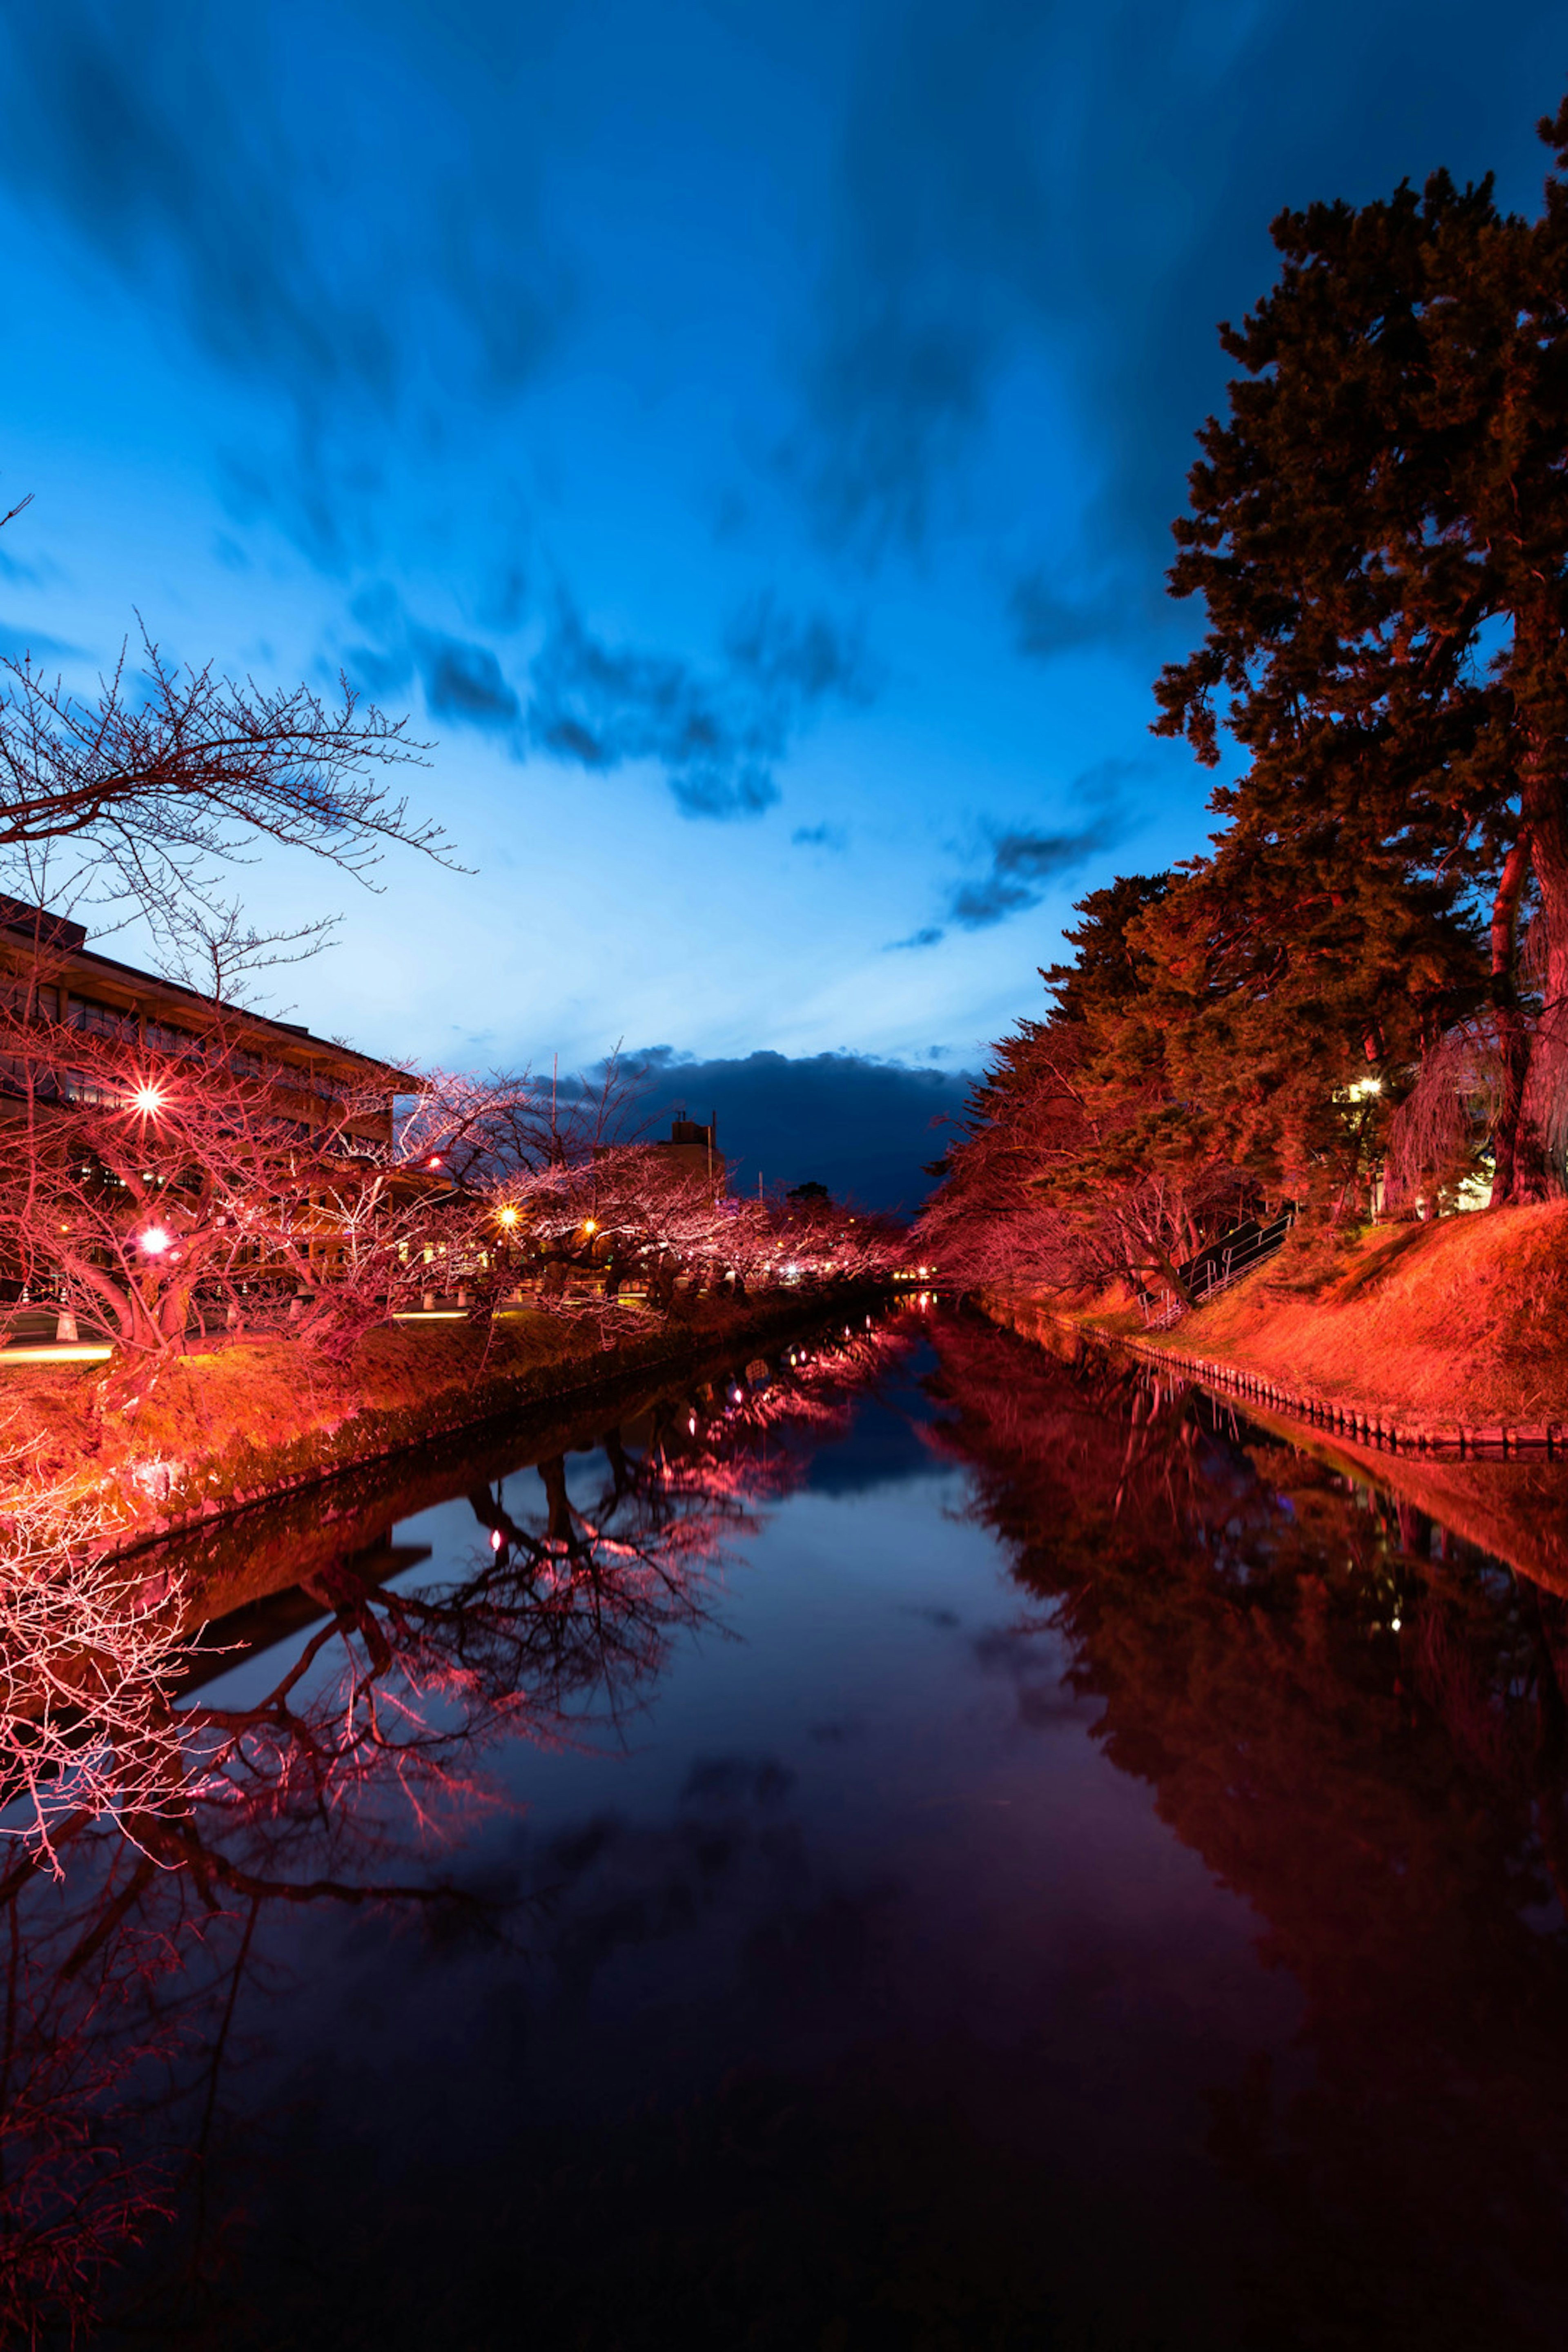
155, 1240
1393, 1622
434, 1161
691, 1424
497, 1539
147, 1099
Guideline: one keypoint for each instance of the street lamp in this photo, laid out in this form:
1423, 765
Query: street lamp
155, 1240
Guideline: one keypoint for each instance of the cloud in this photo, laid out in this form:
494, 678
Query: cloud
928, 936
16, 645
862, 1125
318, 259
820, 836
892, 399
1029, 186
464, 682
1025, 862
1022, 865
717, 739
1050, 621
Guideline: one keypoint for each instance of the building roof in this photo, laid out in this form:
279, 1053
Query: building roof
65, 941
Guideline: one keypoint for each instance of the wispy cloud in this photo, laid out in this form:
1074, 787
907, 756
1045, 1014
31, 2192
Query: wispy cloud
16, 645
1022, 866
718, 737
287, 230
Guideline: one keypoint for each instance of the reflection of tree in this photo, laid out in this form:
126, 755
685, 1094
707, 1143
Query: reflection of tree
365, 1751
1361, 1727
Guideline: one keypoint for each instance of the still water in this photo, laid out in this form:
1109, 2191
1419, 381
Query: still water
917, 1844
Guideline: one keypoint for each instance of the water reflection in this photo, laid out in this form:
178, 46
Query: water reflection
1012, 1855
1358, 1721
327, 1746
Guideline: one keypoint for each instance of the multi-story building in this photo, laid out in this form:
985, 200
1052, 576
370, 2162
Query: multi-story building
46, 968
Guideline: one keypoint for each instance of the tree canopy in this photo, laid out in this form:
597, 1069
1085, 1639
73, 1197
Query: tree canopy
1363, 983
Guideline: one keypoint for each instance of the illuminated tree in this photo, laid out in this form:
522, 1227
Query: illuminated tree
1380, 533
140, 791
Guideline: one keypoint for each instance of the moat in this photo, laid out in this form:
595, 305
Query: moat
909, 1841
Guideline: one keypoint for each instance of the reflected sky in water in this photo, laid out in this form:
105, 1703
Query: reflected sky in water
997, 1881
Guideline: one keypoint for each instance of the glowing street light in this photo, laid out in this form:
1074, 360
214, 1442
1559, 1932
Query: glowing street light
149, 1100
508, 1216
155, 1240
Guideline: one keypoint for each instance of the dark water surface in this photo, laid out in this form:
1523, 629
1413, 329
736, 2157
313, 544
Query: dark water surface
927, 1846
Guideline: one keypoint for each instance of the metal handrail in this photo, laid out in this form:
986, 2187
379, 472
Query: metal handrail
1239, 1258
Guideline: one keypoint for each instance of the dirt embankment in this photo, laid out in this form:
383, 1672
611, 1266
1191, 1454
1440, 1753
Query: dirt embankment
210, 1433
1404, 1357
1460, 1323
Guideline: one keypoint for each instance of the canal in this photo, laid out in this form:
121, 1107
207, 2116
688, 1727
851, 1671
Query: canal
911, 1842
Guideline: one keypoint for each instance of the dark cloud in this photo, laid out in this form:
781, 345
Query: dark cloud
464, 682
284, 225
1025, 863
1022, 865
379, 672
893, 398
1050, 620
717, 739
861, 1126
1091, 191
790, 659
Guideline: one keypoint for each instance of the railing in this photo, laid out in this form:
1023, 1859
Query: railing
1214, 1269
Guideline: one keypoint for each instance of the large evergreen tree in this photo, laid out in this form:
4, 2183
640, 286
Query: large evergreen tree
1380, 535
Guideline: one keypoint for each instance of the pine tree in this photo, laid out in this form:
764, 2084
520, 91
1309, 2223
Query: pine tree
1380, 533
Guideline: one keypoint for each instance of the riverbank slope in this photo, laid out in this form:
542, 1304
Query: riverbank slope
208, 1434
1431, 1328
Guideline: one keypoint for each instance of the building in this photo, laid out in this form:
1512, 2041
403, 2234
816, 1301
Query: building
693, 1150
48, 971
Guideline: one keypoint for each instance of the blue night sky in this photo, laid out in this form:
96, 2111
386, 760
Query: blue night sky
743, 436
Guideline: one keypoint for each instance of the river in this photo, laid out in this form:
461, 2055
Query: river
916, 1842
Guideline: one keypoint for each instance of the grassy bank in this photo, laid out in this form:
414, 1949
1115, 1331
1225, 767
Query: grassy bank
209, 1434
1460, 1324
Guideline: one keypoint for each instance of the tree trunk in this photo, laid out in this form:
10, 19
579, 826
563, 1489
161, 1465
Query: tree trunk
1538, 1170
1514, 1037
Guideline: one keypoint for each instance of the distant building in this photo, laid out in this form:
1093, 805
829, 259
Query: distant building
693, 1148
